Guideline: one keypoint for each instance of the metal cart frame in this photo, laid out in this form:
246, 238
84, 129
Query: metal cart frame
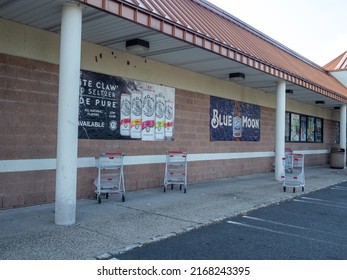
293, 177
176, 170
110, 177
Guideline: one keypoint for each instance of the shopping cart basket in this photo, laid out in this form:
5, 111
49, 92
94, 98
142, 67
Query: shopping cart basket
176, 170
295, 176
110, 175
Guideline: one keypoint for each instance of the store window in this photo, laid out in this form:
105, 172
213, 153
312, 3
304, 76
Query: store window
302, 128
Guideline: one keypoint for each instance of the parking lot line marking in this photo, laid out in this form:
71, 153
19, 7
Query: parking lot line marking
279, 232
293, 226
339, 188
318, 203
275, 223
324, 200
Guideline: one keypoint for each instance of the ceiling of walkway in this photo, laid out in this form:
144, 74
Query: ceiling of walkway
112, 32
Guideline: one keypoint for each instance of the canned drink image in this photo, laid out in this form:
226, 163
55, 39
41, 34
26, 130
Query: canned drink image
169, 117
159, 117
125, 114
148, 113
136, 115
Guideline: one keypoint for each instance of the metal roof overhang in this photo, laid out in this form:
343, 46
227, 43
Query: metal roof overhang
112, 23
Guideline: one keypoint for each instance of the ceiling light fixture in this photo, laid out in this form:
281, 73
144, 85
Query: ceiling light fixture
236, 77
290, 91
137, 46
320, 102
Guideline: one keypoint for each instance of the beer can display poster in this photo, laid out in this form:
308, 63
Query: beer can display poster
233, 120
118, 108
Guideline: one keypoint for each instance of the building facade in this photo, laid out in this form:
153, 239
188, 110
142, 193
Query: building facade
203, 103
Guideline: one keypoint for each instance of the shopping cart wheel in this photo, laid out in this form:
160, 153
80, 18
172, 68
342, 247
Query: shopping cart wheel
98, 198
123, 197
165, 189
293, 190
180, 187
303, 189
171, 186
185, 190
284, 189
107, 195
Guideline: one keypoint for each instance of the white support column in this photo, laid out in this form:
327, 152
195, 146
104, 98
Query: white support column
343, 117
67, 138
280, 128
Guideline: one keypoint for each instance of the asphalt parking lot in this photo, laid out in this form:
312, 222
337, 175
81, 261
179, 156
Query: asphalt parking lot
309, 227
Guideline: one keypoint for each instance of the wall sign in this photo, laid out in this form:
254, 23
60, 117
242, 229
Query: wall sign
233, 120
118, 108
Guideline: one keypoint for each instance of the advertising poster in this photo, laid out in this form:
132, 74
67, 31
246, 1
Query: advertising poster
303, 133
295, 127
310, 129
319, 130
117, 108
233, 120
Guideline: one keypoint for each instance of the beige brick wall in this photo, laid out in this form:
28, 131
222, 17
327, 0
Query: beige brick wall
28, 105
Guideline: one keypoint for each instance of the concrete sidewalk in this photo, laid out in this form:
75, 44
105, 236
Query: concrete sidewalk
103, 230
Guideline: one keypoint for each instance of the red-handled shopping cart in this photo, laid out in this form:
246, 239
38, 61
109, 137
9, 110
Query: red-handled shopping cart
110, 175
295, 176
176, 170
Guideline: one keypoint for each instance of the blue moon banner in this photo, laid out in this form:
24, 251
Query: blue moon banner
233, 120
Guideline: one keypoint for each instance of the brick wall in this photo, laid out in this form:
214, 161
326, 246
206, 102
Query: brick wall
28, 106
28, 94
28, 127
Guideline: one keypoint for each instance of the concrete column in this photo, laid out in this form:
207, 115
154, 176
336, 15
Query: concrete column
68, 106
280, 128
343, 111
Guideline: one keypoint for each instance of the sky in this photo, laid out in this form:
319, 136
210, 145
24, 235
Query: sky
316, 29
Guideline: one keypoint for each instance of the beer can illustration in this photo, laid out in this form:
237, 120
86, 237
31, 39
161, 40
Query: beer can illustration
169, 118
136, 115
159, 117
237, 126
125, 114
148, 113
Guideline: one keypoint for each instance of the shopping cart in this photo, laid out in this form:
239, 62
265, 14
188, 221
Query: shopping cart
176, 170
110, 175
288, 166
295, 176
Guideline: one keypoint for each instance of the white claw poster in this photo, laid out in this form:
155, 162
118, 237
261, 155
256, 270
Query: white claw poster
118, 108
